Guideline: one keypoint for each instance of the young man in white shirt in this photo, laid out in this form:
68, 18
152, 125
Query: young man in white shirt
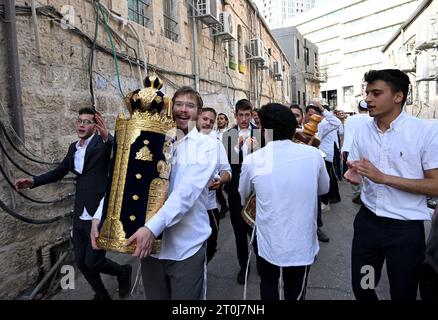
222, 126
396, 156
222, 175
286, 225
328, 125
177, 271
239, 142
327, 133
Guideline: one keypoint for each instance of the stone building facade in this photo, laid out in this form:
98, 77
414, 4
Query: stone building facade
55, 57
413, 49
305, 72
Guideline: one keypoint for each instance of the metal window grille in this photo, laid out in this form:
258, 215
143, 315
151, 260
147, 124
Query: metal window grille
170, 24
138, 11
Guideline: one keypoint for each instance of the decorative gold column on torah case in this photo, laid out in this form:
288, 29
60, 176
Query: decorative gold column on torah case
140, 166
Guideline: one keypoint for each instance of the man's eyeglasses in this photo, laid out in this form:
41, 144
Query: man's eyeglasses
180, 104
85, 122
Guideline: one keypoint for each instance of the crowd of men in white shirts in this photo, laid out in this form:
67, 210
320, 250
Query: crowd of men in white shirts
391, 154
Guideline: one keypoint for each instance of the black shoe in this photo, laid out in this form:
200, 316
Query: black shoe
104, 295
322, 236
125, 281
241, 276
335, 200
223, 211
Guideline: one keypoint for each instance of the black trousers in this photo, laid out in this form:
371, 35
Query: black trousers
400, 243
221, 198
294, 281
89, 261
213, 216
344, 163
319, 216
333, 195
241, 229
337, 162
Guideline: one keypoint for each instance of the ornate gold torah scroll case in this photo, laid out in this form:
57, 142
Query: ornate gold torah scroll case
140, 166
307, 136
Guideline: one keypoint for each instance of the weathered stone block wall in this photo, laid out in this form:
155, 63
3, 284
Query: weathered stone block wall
54, 88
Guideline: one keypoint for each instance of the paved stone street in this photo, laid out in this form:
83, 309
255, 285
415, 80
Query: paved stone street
329, 277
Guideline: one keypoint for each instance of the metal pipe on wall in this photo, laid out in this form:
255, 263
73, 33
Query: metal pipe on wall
195, 46
14, 68
35, 26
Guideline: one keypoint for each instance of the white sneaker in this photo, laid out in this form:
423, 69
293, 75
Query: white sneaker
325, 208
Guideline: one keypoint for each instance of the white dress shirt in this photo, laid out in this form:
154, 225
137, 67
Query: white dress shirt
220, 133
183, 219
350, 127
79, 158
222, 165
247, 134
287, 177
340, 134
328, 134
405, 150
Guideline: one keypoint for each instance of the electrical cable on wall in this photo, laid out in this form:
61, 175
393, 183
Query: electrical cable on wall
23, 218
15, 147
13, 161
2, 171
56, 17
91, 62
107, 29
17, 137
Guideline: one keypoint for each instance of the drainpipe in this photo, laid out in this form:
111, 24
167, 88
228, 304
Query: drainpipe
256, 68
195, 46
14, 68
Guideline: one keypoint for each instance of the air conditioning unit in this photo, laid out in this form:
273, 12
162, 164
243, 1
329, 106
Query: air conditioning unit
266, 62
427, 66
207, 12
278, 70
427, 33
226, 26
257, 50
407, 61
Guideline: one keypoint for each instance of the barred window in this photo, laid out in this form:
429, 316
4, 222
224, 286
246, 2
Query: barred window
170, 22
348, 94
139, 12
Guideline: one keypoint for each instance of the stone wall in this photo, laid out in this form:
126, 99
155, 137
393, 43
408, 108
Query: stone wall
56, 85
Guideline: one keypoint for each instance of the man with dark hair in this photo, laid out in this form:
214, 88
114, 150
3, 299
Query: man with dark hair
255, 118
396, 156
285, 225
177, 271
222, 124
222, 175
298, 112
88, 159
312, 109
240, 141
